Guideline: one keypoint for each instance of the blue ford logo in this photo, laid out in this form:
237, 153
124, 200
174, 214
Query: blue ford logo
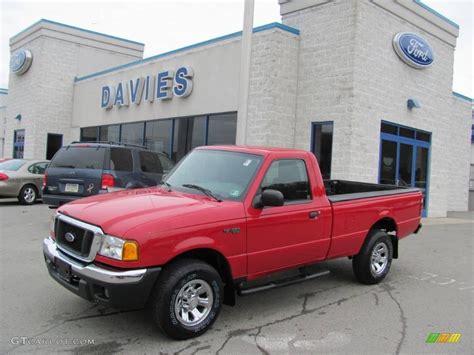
413, 50
20, 61
69, 237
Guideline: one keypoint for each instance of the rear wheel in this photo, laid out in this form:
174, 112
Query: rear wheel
373, 262
187, 298
28, 195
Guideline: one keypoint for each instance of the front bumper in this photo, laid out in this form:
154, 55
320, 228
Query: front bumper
113, 287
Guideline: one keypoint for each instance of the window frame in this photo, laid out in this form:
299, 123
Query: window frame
290, 202
313, 140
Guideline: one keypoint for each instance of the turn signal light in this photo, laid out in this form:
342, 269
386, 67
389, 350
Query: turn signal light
130, 251
107, 181
3, 177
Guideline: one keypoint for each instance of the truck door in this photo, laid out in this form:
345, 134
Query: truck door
297, 232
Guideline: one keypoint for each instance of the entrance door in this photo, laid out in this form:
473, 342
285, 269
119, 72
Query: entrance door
55, 141
404, 158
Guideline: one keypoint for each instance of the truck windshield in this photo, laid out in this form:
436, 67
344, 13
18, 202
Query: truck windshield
226, 174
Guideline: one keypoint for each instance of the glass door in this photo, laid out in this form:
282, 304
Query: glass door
404, 158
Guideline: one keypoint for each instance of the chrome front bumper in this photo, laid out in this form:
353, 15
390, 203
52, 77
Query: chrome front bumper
116, 288
81, 270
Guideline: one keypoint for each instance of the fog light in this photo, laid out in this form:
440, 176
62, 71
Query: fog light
130, 251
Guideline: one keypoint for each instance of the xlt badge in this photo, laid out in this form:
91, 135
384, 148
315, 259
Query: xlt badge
234, 230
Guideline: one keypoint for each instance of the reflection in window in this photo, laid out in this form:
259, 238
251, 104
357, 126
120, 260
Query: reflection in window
158, 136
222, 129
89, 134
132, 133
110, 133
322, 146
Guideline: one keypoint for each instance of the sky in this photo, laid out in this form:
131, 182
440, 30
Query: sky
164, 25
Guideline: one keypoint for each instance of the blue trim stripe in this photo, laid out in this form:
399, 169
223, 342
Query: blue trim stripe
436, 13
76, 28
462, 97
196, 45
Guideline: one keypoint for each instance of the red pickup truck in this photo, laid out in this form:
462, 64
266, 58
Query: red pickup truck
224, 217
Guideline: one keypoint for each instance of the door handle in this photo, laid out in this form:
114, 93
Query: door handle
314, 214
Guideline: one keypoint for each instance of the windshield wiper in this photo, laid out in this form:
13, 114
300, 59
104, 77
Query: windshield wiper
168, 185
205, 191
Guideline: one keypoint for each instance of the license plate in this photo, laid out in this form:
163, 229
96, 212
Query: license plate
72, 188
63, 269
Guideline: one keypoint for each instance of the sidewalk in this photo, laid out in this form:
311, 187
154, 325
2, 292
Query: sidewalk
452, 218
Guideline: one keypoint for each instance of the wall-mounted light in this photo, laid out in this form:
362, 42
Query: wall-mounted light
18, 117
412, 103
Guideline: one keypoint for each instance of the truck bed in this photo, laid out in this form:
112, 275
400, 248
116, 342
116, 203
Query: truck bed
342, 190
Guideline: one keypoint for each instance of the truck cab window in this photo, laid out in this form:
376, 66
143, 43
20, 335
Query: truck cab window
290, 177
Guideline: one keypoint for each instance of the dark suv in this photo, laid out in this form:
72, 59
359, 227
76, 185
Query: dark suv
84, 169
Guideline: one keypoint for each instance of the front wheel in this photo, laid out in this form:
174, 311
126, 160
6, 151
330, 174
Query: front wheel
373, 262
28, 195
187, 298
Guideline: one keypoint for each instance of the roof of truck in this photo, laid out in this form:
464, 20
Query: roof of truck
250, 149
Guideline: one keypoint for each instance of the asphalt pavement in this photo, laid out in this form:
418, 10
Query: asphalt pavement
429, 289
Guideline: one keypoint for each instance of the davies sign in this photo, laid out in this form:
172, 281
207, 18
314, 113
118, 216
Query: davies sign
162, 86
413, 50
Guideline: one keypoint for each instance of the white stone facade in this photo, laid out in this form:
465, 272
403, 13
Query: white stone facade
329, 61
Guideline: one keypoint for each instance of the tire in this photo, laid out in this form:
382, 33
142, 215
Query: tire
172, 296
373, 262
28, 195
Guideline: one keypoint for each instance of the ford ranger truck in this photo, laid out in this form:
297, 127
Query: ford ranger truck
224, 217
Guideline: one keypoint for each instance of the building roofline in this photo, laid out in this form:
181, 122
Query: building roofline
192, 46
434, 12
462, 97
75, 28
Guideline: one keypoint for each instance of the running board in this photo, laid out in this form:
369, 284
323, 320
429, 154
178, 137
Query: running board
281, 283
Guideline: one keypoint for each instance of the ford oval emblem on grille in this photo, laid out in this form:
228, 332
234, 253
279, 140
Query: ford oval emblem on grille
70, 237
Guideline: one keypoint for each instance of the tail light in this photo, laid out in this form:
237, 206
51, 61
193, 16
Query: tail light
3, 177
107, 181
45, 180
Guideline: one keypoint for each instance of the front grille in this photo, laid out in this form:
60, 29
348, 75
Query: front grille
81, 245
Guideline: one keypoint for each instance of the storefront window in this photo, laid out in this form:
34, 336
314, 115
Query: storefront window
158, 136
322, 146
89, 134
132, 133
189, 133
173, 137
222, 129
110, 133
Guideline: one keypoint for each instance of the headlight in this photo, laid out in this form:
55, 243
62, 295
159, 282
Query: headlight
116, 248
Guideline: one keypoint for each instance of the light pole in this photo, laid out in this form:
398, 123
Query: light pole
244, 80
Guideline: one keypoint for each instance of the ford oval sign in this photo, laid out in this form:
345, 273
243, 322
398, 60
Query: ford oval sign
20, 61
413, 50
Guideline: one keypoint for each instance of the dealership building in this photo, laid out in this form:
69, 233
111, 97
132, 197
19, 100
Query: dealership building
364, 84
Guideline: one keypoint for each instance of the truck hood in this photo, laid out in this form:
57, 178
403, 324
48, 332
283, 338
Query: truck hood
119, 212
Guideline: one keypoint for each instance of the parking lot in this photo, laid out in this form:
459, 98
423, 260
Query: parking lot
428, 290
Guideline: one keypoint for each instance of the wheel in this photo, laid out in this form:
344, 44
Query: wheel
187, 298
28, 195
373, 262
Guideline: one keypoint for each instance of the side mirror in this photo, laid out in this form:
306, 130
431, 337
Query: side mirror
270, 198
